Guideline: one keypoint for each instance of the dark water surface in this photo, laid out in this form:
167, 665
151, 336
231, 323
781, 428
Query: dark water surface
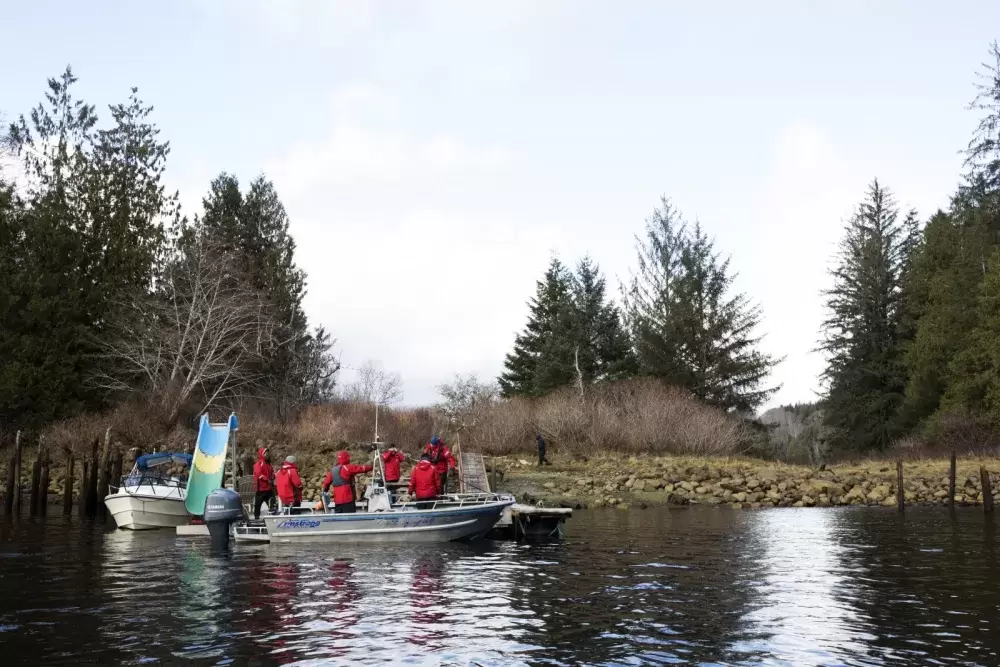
686, 586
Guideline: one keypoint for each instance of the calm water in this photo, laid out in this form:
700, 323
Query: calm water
685, 586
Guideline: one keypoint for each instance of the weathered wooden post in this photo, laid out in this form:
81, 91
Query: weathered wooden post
116, 466
36, 480
84, 492
900, 498
91, 500
43, 487
984, 476
951, 482
493, 476
103, 474
68, 484
12, 503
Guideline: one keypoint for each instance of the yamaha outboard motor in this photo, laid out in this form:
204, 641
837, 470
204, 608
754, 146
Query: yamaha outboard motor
222, 509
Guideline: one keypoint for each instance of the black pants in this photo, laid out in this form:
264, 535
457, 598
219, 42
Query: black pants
425, 504
541, 457
444, 482
259, 499
346, 508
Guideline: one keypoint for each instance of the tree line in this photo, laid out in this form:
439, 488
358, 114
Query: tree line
110, 291
911, 337
681, 321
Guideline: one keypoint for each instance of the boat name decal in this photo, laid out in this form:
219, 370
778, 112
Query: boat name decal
298, 523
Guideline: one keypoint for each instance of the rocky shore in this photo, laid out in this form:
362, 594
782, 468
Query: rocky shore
627, 482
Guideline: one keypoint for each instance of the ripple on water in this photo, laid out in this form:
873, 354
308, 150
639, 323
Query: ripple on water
704, 587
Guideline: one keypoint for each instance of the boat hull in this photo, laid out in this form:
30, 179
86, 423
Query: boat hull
418, 526
146, 512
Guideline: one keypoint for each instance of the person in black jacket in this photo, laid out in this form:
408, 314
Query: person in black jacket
541, 450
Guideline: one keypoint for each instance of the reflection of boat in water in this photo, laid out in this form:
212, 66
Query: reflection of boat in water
148, 497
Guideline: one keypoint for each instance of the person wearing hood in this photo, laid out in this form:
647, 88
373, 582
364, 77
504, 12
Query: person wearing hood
289, 483
341, 478
441, 459
263, 480
391, 459
425, 482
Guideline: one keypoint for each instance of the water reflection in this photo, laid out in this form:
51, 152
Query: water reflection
687, 586
806, 613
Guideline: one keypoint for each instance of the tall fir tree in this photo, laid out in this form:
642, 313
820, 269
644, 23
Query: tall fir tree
603, 350
543, 354
863, 333
689, 328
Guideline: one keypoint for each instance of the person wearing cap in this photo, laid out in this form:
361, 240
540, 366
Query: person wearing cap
289, 483
263, 480
441, 459
341, 478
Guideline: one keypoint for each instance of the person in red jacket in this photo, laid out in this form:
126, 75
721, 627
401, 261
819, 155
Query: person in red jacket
341, 478
391, 458
263, 479
289, 483
441, 459
425, 482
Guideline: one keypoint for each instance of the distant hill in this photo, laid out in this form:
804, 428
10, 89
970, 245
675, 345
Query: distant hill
797, 432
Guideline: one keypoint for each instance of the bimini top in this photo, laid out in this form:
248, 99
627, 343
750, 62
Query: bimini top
147, 461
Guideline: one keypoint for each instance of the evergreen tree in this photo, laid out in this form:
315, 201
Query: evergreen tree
865, 374
689, 329
544, 353
982, 155
604, 350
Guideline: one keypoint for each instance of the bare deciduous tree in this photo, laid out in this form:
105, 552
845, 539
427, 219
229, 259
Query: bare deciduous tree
200, 334
466, 400
375, 385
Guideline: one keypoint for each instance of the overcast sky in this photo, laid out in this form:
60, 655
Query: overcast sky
434, 155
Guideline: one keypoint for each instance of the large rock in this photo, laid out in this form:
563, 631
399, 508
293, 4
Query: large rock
740, 497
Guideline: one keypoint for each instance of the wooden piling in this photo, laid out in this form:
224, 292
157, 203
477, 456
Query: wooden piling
13, 478
43, 487
103, 474
17, 475
900, 497
116, 467
68, 484
987, 490
951, 482
84, 492
91, 499
36, 480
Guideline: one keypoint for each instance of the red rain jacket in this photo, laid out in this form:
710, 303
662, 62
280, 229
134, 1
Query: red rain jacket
344, 493
425, 481
289, 484
441, 457
263, 472
391, 460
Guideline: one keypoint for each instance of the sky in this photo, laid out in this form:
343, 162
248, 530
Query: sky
434, 156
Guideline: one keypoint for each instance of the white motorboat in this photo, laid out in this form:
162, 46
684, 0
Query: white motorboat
148, 498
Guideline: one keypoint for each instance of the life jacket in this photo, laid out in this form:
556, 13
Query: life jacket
336, 478
337, 481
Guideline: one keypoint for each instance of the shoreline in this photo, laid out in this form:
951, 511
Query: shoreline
739, 483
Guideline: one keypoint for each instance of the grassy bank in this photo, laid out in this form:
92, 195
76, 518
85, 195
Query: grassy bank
613, 481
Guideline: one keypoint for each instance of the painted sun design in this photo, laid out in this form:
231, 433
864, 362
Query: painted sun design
209, 464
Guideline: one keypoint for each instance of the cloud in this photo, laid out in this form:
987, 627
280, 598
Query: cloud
405, 266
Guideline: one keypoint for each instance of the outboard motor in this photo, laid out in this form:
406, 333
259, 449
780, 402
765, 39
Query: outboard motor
223, 508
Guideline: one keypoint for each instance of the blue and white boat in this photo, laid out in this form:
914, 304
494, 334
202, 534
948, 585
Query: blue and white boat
148, 497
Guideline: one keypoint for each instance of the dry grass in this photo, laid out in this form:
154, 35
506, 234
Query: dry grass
637, 416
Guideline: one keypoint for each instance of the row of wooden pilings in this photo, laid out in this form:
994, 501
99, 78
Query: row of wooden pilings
98, 470
986, 486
